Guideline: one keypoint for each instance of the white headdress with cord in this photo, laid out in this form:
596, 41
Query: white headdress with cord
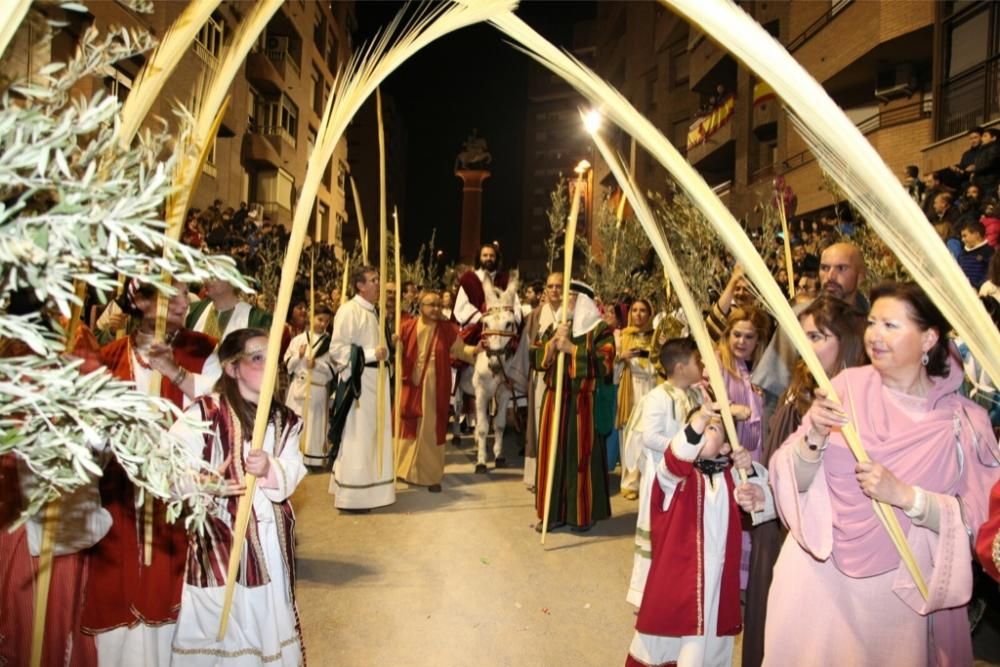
586, 315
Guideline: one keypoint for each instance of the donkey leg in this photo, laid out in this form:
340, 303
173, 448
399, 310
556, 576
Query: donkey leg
499, 424
482, 429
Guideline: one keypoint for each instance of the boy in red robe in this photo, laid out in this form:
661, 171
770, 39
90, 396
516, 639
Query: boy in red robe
690, 609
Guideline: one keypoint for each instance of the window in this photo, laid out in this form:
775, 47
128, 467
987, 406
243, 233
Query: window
319, 31
117, 83
331, 53
316, 92
311, 139
341, 175
338, 232
970, 93
208, 42
277, 116
322, 221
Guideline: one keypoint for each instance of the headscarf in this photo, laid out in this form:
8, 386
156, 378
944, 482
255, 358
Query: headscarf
586, 315
632, 338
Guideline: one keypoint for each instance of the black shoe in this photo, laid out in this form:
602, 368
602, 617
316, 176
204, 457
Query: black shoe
501, 462
581, 529
434, 488
481, 469
363, 510
466, 429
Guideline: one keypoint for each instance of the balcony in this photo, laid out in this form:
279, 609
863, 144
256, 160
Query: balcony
710, 133
709, 65
268, 145
895, 133
263, 74
766, 109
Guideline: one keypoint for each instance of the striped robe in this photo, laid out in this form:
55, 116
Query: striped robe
264, 620
580, 480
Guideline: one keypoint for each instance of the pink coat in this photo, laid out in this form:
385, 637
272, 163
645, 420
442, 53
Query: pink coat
836, 541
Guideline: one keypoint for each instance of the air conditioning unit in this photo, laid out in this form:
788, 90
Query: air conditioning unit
277, 43
896, 82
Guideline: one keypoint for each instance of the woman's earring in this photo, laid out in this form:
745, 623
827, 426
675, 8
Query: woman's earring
925, 359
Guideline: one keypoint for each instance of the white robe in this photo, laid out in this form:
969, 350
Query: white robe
656, 419
211, 370
356, 480
315, 430
262, 621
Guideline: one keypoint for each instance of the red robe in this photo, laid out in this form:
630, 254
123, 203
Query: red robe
673, 602
64, 643
122, 591
412, 394
988, 535
473, 288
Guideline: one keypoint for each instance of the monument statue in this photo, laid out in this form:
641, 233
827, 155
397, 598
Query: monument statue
474, 154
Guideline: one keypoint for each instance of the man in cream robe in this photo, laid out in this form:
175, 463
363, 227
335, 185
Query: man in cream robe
357, 481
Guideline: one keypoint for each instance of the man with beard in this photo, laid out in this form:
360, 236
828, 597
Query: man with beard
470, 306
470, 302
841, 272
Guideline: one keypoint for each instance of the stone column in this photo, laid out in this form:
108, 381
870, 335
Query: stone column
472, 211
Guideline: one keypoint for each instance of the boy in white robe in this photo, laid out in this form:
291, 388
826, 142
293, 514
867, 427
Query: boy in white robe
311, 369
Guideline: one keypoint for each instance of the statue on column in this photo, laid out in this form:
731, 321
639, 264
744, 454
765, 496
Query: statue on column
474, 154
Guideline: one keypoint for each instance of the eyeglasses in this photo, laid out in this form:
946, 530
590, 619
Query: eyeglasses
432, 304
254, 357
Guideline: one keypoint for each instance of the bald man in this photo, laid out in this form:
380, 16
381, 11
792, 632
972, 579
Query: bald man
841, 272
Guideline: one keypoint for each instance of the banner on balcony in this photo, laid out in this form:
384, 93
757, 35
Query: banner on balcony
706, 126
762, 92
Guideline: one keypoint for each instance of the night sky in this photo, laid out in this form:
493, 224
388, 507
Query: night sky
469, 79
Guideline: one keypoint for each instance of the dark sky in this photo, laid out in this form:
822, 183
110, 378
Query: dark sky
468, 79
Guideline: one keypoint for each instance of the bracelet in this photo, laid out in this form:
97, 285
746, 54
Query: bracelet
817, 447
919, 504
798, 453
179, 376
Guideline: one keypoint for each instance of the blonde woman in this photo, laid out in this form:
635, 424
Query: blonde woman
638, 376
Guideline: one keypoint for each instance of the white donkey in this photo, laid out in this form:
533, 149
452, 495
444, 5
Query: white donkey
494, 376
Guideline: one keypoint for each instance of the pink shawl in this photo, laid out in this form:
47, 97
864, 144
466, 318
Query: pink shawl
947, 452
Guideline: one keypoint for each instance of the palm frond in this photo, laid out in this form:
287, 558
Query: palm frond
16, 11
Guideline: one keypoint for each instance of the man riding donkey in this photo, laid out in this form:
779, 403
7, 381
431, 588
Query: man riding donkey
470, 306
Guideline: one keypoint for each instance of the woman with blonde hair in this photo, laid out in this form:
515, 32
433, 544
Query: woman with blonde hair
739, 349
638, 376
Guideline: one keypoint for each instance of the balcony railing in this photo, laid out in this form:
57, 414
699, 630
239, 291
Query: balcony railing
970, 99
275, 131
282, 58
817, 25
882, 120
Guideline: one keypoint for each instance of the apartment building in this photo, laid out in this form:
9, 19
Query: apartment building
262, 148
913, 75
555, 143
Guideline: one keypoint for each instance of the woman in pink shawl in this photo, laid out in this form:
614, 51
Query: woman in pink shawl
840, 592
